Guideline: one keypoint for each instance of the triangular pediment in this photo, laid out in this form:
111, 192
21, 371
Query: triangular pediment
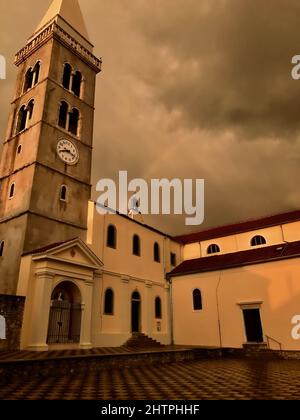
74, 252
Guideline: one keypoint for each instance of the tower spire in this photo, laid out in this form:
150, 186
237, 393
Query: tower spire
68, 12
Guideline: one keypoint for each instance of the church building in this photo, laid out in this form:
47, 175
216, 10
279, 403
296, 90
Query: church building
90, 280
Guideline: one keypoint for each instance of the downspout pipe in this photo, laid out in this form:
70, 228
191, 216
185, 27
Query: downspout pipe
171, 311
218, 310
170, 281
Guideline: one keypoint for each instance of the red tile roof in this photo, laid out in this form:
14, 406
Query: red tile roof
238, 259
247, 226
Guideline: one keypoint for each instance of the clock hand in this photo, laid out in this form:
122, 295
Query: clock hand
68, 151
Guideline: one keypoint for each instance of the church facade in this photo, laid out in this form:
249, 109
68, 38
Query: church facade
91, 280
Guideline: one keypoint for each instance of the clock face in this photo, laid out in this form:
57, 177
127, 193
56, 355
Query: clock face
68, 152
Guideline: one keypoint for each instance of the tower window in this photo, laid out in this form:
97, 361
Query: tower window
67, 76
156, 252
76, 83
197, 300
109, 302
24, 116
36, 73
111, 237
213, 249
28, 80
1, 248
136, 246
74, 121
158, 311
258, 240
63, 193
63, 114
173, 259
30, 110
32, 77
19, 149
12, 190
22, 119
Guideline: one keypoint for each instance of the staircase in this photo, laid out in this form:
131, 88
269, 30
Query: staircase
141, 341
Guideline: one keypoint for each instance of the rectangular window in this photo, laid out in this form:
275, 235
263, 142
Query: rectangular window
173, 259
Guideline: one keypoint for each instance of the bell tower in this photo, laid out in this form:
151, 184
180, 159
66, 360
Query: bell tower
45, 169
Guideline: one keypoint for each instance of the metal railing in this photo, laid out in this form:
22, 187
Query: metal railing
275, 341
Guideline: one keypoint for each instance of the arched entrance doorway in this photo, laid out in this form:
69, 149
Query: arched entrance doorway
65, 314
135, 312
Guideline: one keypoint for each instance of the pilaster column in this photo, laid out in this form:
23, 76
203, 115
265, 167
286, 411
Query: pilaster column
39, 320
86, 317
148, 312
166, 312
125, 306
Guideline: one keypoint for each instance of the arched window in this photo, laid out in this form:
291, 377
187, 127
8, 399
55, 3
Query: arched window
67, 76
22, 119
63, 193
213, 249
136, 246
109, 302
156, 252
74, 121
258, 240
12, 190
63, 114
32, 77
30, 110
158, 311
76, 83
197, 300
28, 80
111, 237
1, 248
24, 116
36, 73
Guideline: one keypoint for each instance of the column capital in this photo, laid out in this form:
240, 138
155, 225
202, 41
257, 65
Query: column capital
45, 274
98, 274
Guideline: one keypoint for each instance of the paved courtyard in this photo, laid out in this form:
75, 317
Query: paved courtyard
207, 379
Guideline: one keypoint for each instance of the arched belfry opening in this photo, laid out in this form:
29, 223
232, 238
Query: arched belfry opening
136, 305
65, 314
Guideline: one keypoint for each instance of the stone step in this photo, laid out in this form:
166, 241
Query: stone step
139, 340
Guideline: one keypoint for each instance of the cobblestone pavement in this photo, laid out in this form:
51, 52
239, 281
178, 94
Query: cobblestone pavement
205, 379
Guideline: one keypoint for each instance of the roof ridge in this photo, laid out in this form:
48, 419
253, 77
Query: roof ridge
233, 228
238, 259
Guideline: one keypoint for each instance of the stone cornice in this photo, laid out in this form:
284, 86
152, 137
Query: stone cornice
53, 30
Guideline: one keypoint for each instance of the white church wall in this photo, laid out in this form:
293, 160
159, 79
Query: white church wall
273, 236
192, 327
273, 287
291, 232
111, 330
226, 244
242, 241
121, 259
192, 251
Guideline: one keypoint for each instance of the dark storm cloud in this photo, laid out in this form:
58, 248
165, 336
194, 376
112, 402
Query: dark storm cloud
233, 63
183, 82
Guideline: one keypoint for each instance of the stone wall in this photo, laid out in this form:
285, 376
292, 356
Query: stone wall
12, 309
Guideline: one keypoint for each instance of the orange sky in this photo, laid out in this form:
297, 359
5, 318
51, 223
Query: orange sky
190, 89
